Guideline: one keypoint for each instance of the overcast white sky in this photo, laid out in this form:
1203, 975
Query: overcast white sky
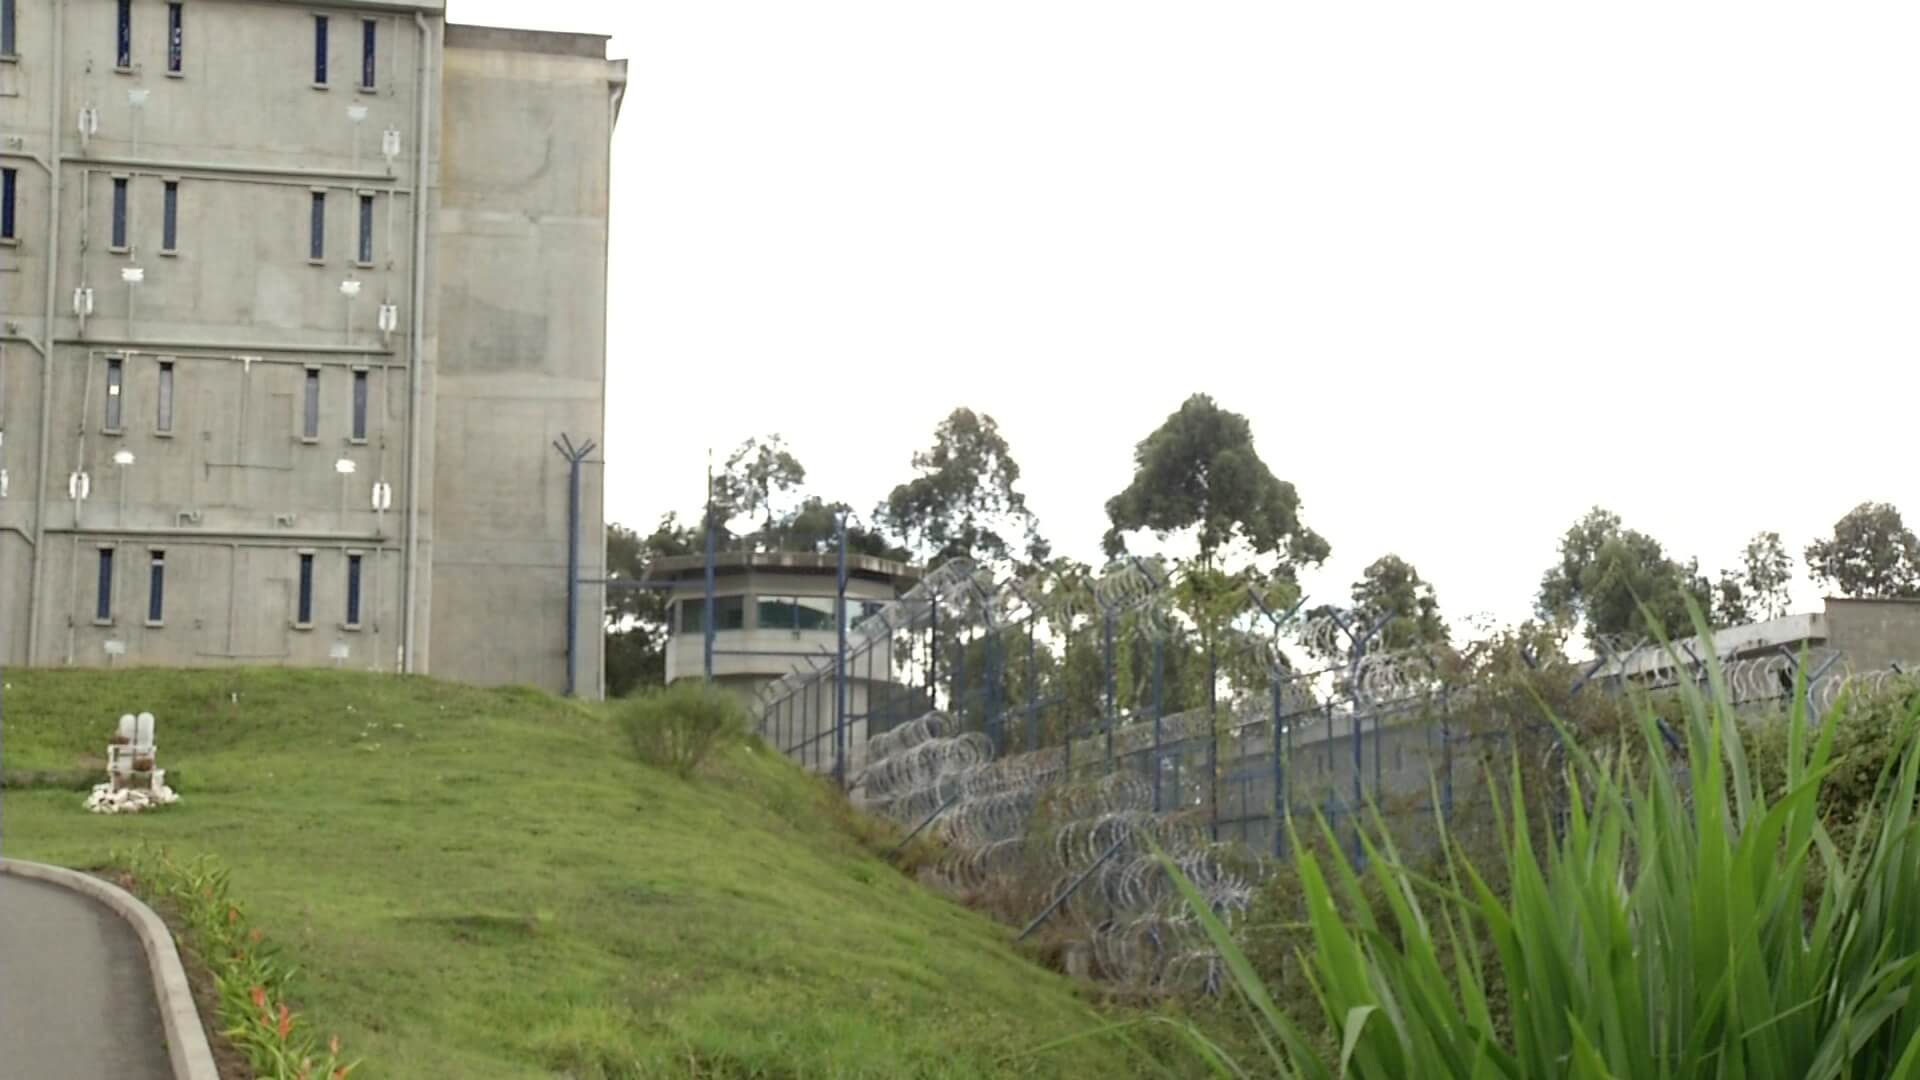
1470, 268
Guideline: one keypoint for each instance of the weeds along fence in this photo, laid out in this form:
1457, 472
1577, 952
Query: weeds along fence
1053, 733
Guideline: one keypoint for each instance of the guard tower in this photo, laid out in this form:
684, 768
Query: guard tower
773, 611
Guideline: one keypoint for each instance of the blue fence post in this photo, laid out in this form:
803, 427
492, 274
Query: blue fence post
575, 455
1033, 689
933, 652
1213, 741
959, 691
1107, 649
706, 623
840, 660
1159, 707
1279, 776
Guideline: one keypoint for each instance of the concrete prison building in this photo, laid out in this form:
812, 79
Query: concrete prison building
294, 300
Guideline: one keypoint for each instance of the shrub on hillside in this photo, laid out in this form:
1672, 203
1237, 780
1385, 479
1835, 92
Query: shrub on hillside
678, 727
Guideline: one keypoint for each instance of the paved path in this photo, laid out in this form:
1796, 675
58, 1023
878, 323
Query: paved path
76, 997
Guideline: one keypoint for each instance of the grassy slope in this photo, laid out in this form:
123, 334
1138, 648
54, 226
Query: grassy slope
485, 884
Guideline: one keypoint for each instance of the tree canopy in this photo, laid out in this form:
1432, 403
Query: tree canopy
1758, 589
961, 502
758, 475
1392, 589
636, 619
1199, 470
1606, 572
1871, 554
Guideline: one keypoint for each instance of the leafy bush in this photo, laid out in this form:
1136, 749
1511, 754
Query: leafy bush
1670, 929
677, 727
250, 982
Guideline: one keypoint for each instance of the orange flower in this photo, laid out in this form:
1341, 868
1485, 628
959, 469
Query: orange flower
333, 1046
255, 935
259, 995
233, 914
286, 1021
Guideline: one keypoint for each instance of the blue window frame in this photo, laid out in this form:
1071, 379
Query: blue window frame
103, 596
319, 50
157, 587
9, 189
116, 384
360, 405
163, 400
176, 38
310, 408
123, 52
369, 35
170, 216
317, 242
304, 611
366, 229
120, 212
353, 590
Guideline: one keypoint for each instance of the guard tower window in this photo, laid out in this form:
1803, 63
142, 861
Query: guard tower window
317, 241
310, 407
103, 594
369, 34
6, 28
176, 39
360, 406
797, 612
119, 213
353, 590
9, 182
304, 611
157, 588
123, 51
319, 49
163, 418
170, 216
116, 375
729, 613
366, 230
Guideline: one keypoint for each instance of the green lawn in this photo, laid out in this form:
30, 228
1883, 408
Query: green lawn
486, 884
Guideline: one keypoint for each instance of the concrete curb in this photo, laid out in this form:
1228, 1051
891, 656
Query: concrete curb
186, 1039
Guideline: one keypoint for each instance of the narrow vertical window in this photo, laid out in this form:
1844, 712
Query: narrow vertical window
176, 39
6, 28
170, 216
353, 590
360, 405
115, 375
120, 213
304, 613
103, 595
9, 183
310, 408
163, 416
366, 230
369, 34
317, 245
319, 50
157, 588
123, 52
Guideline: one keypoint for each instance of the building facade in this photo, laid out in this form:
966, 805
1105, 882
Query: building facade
294, 301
